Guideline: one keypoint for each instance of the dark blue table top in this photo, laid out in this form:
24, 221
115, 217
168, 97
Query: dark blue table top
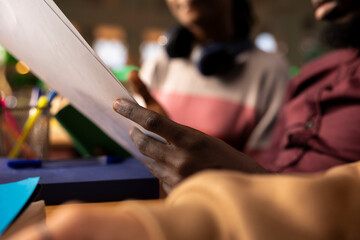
130, 168
129, 179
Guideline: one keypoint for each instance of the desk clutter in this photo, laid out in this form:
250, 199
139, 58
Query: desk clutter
128, 179
24, 127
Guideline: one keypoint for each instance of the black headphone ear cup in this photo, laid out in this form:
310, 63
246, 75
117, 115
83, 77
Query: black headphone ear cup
179, 42
215, 59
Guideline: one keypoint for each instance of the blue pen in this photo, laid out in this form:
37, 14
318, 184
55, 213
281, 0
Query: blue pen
77, 162
51, 95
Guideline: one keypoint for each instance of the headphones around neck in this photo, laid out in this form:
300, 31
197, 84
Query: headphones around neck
215, 59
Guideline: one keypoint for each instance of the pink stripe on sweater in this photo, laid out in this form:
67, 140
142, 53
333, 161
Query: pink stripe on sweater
230, 121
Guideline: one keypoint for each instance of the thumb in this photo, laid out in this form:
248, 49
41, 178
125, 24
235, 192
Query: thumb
139, 87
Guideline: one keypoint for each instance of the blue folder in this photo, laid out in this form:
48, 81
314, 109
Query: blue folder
129, 179
14, 197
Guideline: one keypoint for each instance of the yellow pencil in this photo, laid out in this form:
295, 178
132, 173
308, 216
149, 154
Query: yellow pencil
41, 104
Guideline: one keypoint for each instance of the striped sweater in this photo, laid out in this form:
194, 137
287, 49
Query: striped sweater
239, 107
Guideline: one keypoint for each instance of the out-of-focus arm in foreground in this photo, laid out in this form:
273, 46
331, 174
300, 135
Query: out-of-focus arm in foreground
226, 205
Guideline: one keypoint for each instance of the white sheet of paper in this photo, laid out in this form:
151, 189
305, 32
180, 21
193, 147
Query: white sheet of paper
38, 33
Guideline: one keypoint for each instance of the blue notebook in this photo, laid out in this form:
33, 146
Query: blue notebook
129, 179
14, 197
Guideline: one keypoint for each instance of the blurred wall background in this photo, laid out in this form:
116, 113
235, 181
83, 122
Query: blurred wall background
291, 22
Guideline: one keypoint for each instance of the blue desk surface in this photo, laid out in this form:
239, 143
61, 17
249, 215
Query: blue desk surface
95, 183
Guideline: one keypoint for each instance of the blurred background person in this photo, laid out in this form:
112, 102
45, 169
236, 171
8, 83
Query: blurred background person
210, 76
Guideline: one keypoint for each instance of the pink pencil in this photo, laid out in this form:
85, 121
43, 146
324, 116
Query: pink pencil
9, 117
12, 128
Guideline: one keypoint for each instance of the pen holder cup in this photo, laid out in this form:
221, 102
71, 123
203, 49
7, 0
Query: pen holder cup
15, 133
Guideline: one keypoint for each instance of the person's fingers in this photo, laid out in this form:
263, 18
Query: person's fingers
164, 164
151, 121
149, 146
166, 187
139, 86
164, 173
159, 151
